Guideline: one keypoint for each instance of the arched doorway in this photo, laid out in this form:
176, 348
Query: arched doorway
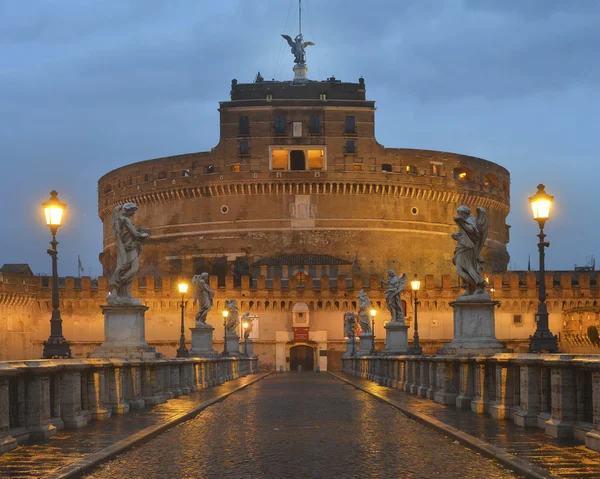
297, 161
303, 356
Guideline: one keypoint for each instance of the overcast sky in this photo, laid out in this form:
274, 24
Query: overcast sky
87, 86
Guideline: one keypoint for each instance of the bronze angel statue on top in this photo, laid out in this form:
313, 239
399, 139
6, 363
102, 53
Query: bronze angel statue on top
298, 45
471, 236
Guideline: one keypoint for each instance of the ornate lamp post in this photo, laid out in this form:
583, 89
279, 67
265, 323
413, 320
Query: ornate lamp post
416, 285
245, 326
56, 346
182, 352
225, 350
373, 314
542, 339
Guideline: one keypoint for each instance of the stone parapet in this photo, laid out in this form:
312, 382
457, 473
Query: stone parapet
557, 393
37, 398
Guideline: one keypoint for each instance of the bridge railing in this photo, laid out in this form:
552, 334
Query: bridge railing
39, 397
557, 393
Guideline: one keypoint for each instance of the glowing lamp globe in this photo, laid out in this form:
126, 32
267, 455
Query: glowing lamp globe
373, 313
541, 204
415, 284
225, 313
183, 287
245, 325
53, 210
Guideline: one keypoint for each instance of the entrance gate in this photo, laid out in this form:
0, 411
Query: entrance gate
303, 356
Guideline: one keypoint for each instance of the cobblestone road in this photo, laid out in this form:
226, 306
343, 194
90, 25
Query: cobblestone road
303, 425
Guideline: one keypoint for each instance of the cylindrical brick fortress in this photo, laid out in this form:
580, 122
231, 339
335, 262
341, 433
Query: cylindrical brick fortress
298, 171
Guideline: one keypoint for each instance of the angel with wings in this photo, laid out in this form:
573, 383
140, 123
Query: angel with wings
395, 285
470, 237
298, 45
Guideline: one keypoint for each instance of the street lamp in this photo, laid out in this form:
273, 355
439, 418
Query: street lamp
56, 346
542, 339
373, 314
245, 326
415, 284
182, 352
225, 351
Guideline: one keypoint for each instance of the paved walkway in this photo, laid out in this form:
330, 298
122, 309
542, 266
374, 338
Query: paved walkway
300, 425
70, 447
563, 458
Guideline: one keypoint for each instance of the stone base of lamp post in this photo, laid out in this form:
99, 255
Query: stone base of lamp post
233, 344
396, 338
474, 328
249, 348
202, 341
124, 334
365, 344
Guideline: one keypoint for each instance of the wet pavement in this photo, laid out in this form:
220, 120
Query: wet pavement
300, 425
565, 458
37, 460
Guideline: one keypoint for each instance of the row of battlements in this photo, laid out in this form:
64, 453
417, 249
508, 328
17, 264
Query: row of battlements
504, 284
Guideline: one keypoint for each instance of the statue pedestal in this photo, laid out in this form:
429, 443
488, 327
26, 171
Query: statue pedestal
366, 343
396, 338
124, 334
300, 73
233, 344
348, 353
474, 328
249, 345
202, 341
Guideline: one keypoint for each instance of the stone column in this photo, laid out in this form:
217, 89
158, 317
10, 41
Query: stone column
592, 438
402, 373
55, 402
447, 381
485, 380
530, 405
396, 373
97, 393
7, 442
424, 375
37, 403
174, 381
134, 390
505, 391
564, 401
116, 388
152, 384
545, 397
430, 394
466, 383
416, 370
73, 414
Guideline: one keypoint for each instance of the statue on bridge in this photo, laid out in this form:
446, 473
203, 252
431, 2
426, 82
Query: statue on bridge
129, 249
233, 320
350, 325
204, 296
364, 304
395, 286
470, 237
247, 319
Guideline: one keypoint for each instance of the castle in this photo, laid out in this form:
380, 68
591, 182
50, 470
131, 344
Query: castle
295, 210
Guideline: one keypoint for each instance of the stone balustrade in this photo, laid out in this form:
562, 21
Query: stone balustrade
557, 393
40, 397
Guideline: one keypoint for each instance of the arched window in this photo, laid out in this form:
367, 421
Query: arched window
490, 180
463, 174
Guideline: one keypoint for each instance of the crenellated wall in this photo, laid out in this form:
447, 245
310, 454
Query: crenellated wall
26, 308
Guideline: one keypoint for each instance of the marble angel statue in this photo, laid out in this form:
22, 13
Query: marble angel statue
470, 238
233, 319
203, 295
395, 285
364, 305
350, 325
128, 242
298, 48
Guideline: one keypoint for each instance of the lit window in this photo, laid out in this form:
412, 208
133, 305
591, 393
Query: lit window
323, 96
463, 174
279, 160
411, 169
316, 159
235, 168
357, 167
435, 170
